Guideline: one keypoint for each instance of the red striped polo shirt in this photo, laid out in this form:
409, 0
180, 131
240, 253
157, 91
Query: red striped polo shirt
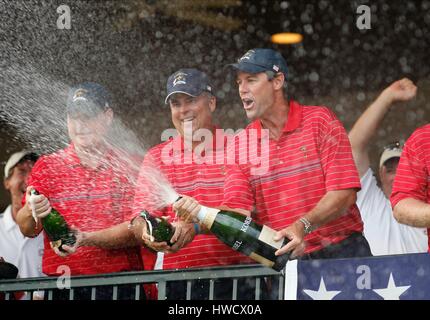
312, 156
200, 180
412, 176
90, 200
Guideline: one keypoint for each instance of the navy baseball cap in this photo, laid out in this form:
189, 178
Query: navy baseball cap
261, 60
89, 98
189, 81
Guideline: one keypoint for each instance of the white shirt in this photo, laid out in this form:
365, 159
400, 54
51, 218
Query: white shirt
385, 235
25, 253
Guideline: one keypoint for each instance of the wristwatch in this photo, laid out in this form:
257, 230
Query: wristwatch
308, 226
141, 215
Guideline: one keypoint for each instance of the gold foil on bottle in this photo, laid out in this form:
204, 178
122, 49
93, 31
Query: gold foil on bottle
210, 217
267, 235
261, 260
56, 244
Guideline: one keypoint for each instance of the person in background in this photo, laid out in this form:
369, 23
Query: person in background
25, 253
385, 235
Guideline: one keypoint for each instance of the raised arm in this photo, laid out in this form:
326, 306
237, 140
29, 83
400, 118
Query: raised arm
368, 123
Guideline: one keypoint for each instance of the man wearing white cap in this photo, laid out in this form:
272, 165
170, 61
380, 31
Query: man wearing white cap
385, 235
25, 253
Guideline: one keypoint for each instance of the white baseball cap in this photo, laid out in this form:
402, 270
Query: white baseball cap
17, 157
392, 151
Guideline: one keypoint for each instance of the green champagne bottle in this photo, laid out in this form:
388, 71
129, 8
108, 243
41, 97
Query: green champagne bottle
57, 229
244, 235
159, 228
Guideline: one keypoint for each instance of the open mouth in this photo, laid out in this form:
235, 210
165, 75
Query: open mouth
188, 119
248, 103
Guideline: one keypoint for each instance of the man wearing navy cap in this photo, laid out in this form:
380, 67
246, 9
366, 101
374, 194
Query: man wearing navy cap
311, 166
88, 183
308, 191
192, 103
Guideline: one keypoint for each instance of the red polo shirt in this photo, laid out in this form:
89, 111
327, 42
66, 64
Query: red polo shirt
312, 156
412, 175
198, 179
90, 200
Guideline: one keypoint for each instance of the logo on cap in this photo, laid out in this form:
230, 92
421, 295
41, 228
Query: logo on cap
79, 95
247, 55
179, 78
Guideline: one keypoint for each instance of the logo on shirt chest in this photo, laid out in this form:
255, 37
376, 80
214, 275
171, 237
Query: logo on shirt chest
222, 169
304, 151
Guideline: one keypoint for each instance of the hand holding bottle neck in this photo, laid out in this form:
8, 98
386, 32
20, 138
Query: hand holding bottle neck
202, 213
188, 209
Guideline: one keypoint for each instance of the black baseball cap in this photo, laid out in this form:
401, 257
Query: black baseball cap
188, 81
260, 60
89, 98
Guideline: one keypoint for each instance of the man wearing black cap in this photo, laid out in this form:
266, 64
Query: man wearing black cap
88, 183
192, 103
308, 190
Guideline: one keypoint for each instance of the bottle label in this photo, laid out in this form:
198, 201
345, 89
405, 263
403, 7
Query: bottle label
246, 224
267, 234
209, 217
261, 259
237, 245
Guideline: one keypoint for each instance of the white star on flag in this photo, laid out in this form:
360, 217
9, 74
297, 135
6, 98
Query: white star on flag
322, 293
391, 292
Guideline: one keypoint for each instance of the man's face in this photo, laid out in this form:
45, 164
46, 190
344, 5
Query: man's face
17, 181
256, 93
87, 132
196, 111
387, 174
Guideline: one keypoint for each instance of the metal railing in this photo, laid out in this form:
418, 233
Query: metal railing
159, 277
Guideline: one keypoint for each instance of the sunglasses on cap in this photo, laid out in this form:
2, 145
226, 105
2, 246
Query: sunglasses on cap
393, 145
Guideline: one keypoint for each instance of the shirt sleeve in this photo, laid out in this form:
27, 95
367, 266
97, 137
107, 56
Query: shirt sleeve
336, 155
411, 175
238, 193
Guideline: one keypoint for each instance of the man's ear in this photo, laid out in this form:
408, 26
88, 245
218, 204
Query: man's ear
278, 81
212, 103
6, 184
